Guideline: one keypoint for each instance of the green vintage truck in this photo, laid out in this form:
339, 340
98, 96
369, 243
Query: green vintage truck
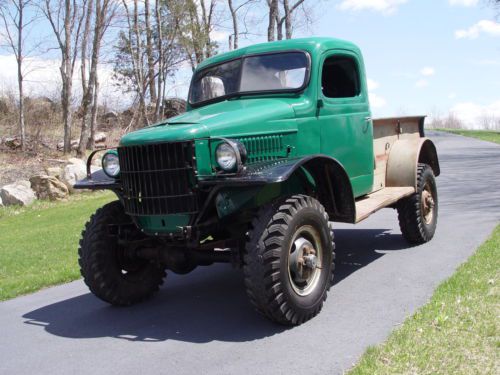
277, 142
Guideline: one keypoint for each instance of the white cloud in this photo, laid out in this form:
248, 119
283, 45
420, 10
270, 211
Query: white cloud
421, 83
489, 27
473, 114
464, 3
376, 101
384, 6
219, 36
42, 78
372, 84
428, 71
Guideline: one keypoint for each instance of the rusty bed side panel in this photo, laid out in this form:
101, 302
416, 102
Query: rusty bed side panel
386, 131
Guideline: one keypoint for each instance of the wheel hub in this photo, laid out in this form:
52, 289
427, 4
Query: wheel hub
304, 261
427, 204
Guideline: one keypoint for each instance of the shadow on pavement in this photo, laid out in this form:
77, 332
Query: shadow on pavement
209, 304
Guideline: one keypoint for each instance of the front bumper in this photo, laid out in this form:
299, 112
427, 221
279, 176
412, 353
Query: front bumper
98, 181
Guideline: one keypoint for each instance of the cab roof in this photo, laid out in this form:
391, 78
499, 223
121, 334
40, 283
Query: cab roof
313, 45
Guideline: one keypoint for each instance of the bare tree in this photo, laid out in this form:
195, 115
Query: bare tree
16, 29
66, 19
105, 11
276, 21
273, 15
149, 51
136, 52
496, 5
287, 18
195, 23
168, 51
234, 9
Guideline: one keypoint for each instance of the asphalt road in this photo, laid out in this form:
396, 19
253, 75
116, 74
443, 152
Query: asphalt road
202, 323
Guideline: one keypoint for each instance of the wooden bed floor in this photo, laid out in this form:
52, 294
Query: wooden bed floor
375, 201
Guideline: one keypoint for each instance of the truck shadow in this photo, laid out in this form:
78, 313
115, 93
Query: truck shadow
208, 305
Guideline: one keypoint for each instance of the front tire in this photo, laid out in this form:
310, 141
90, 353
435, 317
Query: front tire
288, 262
418, 213
108, 273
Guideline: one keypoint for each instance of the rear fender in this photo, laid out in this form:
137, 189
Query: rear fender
404, 157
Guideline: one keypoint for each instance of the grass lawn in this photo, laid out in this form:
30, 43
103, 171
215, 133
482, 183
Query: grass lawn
485, 135
38, 244
457, 332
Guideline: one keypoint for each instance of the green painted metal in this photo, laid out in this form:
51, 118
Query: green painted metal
275, 126
164, 224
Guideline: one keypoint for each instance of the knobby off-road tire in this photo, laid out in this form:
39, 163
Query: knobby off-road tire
278, 233
418, 213
110, 276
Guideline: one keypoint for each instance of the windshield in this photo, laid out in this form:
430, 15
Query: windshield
285, 71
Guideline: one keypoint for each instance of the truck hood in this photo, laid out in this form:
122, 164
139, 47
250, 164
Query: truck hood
227, 118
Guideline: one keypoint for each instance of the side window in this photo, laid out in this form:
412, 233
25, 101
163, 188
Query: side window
340, 77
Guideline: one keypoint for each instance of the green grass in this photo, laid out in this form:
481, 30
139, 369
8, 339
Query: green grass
38, 244
485, 135
457, 332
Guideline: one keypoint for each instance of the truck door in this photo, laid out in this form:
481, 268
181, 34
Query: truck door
344, 115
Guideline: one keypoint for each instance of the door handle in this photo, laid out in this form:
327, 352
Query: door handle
367, 124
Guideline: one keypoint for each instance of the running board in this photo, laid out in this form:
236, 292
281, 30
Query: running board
373, 202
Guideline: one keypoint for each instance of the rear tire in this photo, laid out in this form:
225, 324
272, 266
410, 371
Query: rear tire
418, 213
107, 272
288, 262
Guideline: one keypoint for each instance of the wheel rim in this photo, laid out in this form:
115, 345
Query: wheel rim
427, 204
304, 260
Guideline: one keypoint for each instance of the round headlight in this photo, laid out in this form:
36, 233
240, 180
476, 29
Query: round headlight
111, 164
226, 156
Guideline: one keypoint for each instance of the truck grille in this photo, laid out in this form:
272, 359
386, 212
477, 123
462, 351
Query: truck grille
264, 148
158, 179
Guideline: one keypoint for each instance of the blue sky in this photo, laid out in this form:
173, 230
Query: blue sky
422, 56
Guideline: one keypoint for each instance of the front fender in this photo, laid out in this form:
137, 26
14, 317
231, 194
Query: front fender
330, 181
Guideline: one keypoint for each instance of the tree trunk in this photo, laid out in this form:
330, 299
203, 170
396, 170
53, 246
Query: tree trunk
22, 128
159, 48
67, 78
93, 117
273, 10
86, 91
234, 17
288, 20
20, 78
149, 52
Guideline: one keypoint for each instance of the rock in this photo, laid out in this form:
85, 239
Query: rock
74, 145
173, 107
71, 174
24, 183
100, 137
17, 194
12, 142
111, 115
74, 172
77, 161
49, 187
54, 171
